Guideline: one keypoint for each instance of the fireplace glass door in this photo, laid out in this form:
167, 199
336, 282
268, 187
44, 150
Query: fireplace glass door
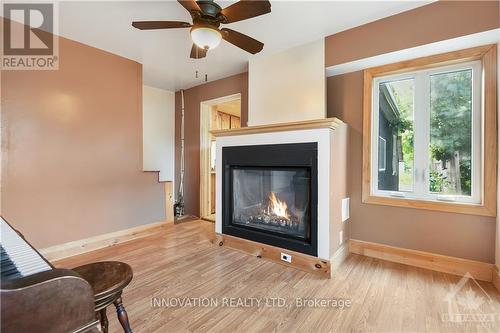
270, 194
274, 200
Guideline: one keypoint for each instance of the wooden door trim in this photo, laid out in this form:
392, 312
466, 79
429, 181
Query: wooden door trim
205, 138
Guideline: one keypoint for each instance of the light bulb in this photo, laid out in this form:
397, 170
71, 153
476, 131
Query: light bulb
205, 37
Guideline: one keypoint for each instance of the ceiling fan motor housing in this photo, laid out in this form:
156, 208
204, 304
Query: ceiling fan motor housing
209, 8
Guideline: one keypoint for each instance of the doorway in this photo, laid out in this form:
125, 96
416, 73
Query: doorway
217, 114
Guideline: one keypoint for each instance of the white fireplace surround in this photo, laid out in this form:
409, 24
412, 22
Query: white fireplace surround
328, 214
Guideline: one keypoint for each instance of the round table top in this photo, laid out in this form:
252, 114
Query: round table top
106, 277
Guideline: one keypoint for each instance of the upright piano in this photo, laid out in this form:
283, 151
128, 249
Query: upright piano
37, 297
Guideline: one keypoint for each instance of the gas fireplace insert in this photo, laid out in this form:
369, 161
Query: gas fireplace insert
269, 194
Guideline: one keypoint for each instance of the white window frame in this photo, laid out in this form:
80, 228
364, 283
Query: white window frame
421, 124
385, 154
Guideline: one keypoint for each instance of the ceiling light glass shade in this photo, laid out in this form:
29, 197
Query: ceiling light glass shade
206, 38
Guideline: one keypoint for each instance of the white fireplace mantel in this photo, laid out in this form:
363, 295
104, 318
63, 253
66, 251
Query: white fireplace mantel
331, 136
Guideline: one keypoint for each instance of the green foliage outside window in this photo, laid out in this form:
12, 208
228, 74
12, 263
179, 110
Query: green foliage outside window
403, 92
451, 129
436, 181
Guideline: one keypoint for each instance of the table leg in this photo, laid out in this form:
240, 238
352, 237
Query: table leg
122, 315
104, 320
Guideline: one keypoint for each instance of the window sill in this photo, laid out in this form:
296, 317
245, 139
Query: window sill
450, 207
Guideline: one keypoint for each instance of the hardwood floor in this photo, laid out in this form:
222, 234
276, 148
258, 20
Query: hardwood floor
182, 265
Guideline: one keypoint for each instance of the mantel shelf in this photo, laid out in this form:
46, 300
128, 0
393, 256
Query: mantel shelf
332, 123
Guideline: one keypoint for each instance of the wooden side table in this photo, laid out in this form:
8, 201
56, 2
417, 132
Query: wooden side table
108, 279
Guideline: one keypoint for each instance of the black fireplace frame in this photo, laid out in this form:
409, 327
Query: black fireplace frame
279, 157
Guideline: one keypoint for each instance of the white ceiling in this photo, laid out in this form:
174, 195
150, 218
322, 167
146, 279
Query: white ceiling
165, 53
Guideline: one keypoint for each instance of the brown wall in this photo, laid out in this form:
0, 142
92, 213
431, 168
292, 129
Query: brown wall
459, 235
71, 148
193, 97
427, 24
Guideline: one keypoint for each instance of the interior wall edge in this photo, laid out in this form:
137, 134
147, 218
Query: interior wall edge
193, 97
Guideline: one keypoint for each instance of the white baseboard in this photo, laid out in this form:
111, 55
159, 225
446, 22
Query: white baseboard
339, 256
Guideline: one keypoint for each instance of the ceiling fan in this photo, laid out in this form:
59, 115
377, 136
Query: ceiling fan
207, 17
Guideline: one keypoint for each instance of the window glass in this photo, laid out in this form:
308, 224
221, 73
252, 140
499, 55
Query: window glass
427, 134
395, 130
451, 133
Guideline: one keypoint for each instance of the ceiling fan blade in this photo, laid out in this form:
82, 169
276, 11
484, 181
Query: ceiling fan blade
190, 5
242, 41
197, 52
149, 25
245, 9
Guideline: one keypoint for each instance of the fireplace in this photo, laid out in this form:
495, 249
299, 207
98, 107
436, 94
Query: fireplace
270, 194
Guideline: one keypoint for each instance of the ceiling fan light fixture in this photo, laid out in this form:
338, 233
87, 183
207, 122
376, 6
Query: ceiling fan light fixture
206, 37
207, 16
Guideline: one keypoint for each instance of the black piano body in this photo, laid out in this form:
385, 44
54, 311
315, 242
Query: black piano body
53, 300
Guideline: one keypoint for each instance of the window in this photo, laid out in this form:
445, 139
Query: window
427, 135
429, 121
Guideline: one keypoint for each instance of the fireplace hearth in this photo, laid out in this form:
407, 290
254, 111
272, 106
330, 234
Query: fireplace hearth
270, 194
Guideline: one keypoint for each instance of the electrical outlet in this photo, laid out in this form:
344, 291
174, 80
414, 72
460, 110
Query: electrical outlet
286, 257
341, 237
345, 209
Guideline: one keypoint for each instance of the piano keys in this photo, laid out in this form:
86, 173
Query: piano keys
20, 258
37, 297
7, 268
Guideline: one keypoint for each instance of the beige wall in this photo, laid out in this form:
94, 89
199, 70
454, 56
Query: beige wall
72, 148
287, 86
193, 97
459, 235
158, 137
339, 185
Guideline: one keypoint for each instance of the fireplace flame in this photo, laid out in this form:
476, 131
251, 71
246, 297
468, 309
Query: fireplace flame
277, 207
